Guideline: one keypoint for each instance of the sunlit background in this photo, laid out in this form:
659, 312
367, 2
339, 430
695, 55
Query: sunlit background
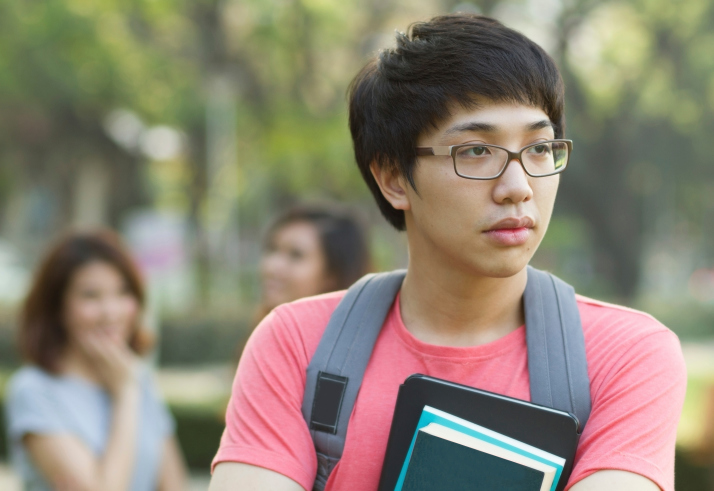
186, 125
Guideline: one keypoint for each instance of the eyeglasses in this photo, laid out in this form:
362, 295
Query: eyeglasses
482, 161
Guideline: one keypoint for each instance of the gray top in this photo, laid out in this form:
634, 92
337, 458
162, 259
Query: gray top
41, 403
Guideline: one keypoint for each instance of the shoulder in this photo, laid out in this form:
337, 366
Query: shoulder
621, 340
599, 314
617, 325
29, 380
307, 313
33, 403
296, 326
638, 381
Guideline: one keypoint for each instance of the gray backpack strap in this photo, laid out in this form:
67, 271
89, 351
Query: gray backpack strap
557, 365
335, 373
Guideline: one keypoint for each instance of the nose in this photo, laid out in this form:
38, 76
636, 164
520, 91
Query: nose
513, 185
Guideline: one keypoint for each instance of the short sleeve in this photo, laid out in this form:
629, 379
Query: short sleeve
30, 407
159, 413
635, 413
264, 422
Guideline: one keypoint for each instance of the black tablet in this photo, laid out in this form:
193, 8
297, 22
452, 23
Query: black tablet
549, 429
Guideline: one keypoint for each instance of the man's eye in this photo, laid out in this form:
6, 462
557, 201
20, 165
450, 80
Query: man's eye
475, 152
540, 149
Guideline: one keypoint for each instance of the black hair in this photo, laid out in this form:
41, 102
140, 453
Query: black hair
342, 238
450, 59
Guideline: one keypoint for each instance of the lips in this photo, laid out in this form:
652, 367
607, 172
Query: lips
513, 223
511, 231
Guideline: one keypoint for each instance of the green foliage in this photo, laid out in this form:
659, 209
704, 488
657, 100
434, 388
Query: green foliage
198, 433
310, 154
195, 341
640, 102
94, 56
689, 320
639, 80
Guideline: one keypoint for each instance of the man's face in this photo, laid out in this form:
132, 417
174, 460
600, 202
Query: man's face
488, 228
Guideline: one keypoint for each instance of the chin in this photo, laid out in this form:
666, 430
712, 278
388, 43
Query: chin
499, 267
503, 271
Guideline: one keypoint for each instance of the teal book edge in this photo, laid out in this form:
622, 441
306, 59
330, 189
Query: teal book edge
438, 463
430, 415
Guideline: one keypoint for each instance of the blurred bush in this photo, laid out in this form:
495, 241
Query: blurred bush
199, 433
689, 476
199, 340
690, 321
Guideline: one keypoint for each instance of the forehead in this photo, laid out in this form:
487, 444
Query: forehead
97, 271
496, 118
298, 231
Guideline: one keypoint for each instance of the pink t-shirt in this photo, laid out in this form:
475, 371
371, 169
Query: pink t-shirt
637, 384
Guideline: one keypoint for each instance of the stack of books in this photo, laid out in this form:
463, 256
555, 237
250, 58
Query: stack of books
448, 452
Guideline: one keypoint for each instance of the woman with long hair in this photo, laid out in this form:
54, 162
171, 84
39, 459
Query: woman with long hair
309, 250
83, 413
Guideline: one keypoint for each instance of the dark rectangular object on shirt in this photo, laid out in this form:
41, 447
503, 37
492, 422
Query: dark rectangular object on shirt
549, 429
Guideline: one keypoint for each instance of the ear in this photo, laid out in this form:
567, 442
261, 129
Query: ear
393, 186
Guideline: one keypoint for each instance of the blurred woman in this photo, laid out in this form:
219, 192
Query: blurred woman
83, 414
310, 250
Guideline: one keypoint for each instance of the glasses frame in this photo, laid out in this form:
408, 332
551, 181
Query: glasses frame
451, 151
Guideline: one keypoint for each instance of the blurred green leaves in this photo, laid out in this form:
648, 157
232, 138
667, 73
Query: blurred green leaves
92, 56
640, 102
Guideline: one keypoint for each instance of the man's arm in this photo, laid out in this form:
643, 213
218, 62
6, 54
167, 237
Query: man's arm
612, 480
233, 476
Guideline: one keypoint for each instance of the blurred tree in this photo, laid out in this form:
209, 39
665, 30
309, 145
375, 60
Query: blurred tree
640, 102
639, 77
64, 66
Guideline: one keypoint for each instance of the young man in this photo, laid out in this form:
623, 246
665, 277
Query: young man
474, 216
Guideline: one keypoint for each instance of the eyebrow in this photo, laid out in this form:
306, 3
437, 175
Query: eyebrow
474, 126
539, 125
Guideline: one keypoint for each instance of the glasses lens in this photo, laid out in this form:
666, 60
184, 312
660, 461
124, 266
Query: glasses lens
546, 158
480, 161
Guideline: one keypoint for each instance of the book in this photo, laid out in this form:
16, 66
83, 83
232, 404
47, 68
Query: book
447, 459
474, 449
543, 433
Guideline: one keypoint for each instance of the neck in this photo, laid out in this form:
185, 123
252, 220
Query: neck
73, 362
445, 305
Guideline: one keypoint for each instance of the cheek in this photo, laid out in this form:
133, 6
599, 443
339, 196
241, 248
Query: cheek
270, 262
308, 276
448, 204
308, 270
130, 307
81, 314
545, 191
128, 312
